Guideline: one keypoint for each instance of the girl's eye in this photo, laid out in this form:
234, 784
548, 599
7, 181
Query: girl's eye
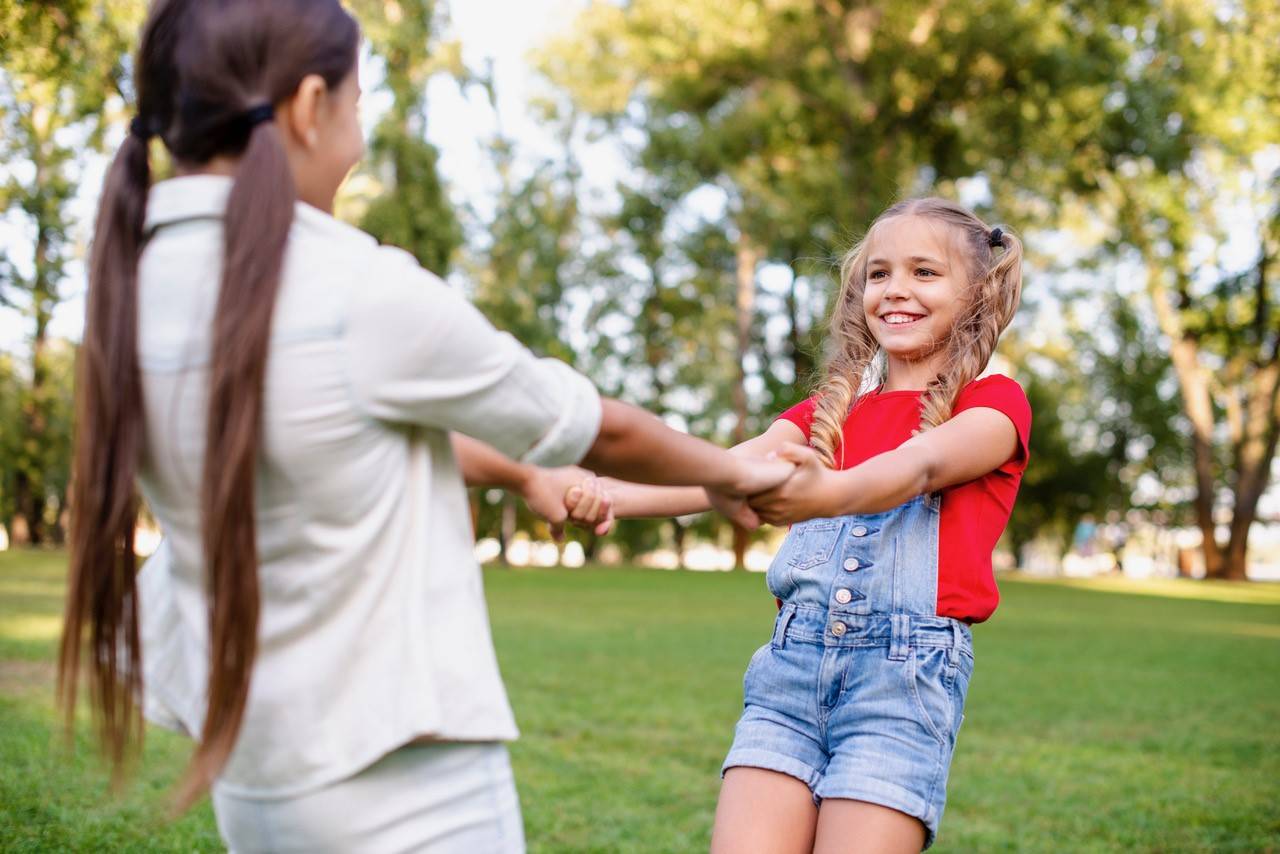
923, 272
878, 274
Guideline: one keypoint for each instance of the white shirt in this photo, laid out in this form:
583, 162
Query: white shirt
373, 627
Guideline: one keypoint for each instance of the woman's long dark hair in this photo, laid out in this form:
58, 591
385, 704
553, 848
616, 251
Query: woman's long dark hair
202, 66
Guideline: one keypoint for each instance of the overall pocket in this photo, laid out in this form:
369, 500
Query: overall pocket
807, 545
930, 682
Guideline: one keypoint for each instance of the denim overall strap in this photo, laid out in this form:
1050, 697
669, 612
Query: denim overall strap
900, 640
785, 615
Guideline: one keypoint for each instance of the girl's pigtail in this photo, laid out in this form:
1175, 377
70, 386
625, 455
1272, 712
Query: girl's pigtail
976, 332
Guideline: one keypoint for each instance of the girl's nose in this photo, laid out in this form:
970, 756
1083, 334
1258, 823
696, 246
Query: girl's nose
895, 288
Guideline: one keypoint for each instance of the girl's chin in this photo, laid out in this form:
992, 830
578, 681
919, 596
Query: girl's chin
910, 355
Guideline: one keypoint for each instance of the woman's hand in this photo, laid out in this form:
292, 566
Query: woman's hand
547, 492
754, 476
811, 492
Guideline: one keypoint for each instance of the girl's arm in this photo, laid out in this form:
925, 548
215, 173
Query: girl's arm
634, 500
543, 489
966, 447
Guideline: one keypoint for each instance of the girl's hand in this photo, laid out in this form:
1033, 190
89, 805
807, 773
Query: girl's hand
811, 492
590, 506
546, 492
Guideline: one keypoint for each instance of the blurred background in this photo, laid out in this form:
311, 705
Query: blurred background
657, 192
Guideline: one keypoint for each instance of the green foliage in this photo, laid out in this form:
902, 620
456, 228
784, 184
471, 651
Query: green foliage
413, 212
412, 208
63, 74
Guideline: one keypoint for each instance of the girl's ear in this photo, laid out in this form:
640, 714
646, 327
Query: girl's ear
300, 114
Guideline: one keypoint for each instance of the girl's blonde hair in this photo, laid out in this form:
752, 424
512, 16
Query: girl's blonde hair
988, 304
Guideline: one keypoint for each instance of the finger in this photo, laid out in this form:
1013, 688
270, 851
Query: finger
557, 531
607, 525
740, 513
589, 509
572, 496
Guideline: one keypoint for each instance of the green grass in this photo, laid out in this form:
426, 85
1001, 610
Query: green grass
1102, 717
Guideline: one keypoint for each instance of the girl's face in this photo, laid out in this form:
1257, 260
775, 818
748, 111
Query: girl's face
913, 287
324, 140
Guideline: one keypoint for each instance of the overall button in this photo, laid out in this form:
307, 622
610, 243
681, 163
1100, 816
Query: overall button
838, 629
851, 564
859, 531
843, 596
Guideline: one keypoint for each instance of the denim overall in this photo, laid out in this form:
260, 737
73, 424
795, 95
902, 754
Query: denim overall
860, 693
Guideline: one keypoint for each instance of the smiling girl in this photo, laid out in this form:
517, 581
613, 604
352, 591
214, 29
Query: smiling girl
908, 466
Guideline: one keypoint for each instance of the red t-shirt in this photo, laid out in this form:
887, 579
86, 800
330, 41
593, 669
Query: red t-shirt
974, 514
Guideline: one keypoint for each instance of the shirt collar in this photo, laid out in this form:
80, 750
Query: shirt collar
193, 197
188, 197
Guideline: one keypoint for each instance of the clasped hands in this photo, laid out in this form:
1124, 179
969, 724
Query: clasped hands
788, 485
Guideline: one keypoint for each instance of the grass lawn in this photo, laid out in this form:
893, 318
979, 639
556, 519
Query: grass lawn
1102, 717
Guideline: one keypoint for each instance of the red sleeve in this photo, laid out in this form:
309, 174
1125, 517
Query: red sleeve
1004, 395
800, 415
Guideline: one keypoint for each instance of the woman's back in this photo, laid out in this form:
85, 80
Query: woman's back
366, 567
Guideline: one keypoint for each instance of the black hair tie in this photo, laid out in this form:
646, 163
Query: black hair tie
996, 239
141, 128
255, 116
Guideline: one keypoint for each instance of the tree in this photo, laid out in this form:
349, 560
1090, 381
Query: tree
412, 209
1106, 430
1179, 165
63, 69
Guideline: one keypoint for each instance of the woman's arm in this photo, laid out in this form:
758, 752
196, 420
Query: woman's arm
543, 489
634, 500
966, 447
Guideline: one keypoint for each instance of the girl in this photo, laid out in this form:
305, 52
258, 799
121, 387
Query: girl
283, 389
908, 466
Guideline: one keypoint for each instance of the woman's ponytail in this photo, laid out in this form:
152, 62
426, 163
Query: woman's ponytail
102, 594
256, 230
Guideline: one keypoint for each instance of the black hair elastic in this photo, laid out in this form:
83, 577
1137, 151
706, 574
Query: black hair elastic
255, 116
997, 238
141, 128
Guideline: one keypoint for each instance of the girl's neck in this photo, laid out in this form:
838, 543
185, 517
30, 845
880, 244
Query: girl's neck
902, 375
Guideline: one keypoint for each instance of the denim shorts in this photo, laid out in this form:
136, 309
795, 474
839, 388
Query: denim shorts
860, 692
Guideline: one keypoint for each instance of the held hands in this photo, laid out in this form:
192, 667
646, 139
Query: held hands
790, 485
755, 476
810, 492
548, 492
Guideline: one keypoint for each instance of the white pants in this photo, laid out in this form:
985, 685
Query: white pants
437, 798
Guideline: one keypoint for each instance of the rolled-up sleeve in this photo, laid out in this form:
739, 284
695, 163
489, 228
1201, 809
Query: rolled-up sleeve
419, 353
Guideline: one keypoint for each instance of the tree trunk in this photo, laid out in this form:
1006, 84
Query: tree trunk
1198, 405
748, 259
1254, 453
678, 534
26, 530
506, 528
30, 487
801, 362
